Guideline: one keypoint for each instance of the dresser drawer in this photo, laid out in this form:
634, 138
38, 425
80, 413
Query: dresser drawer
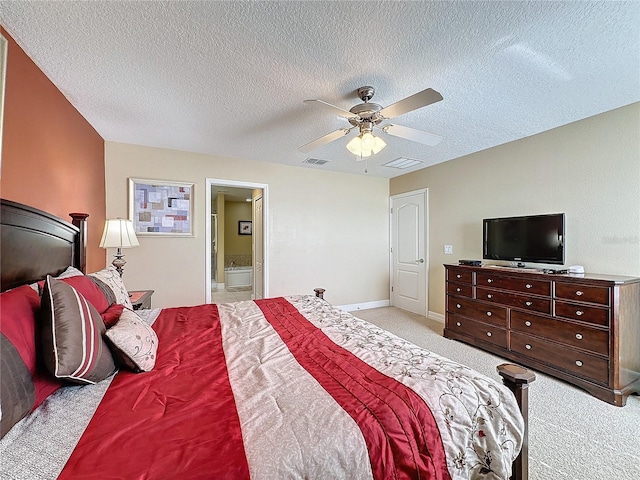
460, 289
579, 363
459, 275
534, 304
480, 311
582, 293
537, 287
482, 331
580, 336
575, 311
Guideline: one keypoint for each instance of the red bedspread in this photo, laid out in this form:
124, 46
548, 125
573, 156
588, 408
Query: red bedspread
177, 421
286, 388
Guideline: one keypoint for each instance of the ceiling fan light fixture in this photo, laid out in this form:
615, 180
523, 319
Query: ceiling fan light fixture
378, 144
365, 116
365, 144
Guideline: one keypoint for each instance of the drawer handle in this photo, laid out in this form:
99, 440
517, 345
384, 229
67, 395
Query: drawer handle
457, 289
458, 276
458, 305
458, 324
489, 280
579, 312
489, 334
579, 293
579, 336
489, 314
578, 363
527, 323
528, 347
489, 296
528, 304
528, 285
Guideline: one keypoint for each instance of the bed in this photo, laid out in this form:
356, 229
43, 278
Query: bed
287, 387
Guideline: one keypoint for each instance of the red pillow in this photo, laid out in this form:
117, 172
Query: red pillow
111, 316
24, 384
88, 289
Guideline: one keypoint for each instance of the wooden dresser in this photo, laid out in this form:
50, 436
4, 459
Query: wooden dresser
584, 329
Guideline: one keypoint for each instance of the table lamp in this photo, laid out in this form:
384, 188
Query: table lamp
118, 233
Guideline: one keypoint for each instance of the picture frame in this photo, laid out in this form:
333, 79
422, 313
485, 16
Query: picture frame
161, 208
245, 227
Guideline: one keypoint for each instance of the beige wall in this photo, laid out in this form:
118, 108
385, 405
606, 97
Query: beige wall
325, 229
589, 170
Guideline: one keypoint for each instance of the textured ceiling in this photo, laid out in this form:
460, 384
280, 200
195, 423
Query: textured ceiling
229, 78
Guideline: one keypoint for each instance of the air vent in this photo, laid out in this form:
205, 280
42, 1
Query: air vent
315, 161
402, 163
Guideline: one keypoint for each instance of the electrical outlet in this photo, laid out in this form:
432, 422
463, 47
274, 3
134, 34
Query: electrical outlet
448, 249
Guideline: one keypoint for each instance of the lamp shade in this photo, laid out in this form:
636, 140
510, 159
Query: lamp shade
118, 233
365, 144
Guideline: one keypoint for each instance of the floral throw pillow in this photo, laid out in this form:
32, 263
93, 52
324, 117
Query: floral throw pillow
133, 342
110, 277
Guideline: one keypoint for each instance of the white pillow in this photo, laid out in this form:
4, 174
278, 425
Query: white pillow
68, 273
133, 342
113, 280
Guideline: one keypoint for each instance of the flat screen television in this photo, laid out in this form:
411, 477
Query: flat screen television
532, 238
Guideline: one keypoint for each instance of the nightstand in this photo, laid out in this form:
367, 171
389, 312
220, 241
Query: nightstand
141, 299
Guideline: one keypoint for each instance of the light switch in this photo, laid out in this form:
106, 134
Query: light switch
448, 249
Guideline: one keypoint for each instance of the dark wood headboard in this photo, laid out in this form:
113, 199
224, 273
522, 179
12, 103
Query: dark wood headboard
34, 244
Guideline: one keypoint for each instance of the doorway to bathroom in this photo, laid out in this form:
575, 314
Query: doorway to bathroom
236, 260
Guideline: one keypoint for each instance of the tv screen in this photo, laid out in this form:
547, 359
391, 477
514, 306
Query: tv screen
533, 238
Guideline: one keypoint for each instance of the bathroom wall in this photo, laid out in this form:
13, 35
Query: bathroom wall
237, 248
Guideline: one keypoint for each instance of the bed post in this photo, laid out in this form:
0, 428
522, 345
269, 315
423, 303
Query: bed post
319, 292
517, 379
80, 245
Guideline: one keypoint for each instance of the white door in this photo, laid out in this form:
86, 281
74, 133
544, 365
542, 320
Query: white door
258, 249
409, 252
214, 248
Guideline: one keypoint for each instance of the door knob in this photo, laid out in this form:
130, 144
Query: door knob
420, 261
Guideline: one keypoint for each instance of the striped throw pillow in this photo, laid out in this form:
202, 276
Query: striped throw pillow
72, 344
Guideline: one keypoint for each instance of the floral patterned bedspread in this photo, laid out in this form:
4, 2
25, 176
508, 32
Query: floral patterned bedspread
479, 420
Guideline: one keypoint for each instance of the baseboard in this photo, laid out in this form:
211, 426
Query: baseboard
364, 306
385, 303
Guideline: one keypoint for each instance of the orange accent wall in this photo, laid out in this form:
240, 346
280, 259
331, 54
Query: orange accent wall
52, 158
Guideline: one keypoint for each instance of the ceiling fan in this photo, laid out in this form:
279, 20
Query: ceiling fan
366, 116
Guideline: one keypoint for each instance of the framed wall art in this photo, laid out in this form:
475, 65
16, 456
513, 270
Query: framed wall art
245, 227
159, 208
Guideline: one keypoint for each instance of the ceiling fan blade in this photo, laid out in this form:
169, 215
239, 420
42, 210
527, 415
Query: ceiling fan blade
412, 134
418, 100
336, 110
318, 142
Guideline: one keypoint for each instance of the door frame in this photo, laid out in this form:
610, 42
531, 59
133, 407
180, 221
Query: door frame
265, 227
426, 244
254, 248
